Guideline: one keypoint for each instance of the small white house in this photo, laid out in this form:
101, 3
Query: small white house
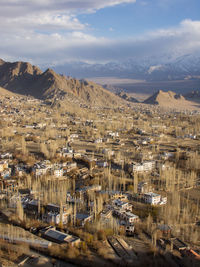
143, 166
122, 205
152, 198
58, 172
126, 216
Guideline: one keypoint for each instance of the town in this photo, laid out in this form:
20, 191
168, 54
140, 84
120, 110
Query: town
107, 185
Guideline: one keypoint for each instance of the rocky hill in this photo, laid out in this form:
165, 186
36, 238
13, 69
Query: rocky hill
170, 100
23, 78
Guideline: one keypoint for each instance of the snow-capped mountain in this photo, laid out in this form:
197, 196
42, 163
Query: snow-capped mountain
166, 68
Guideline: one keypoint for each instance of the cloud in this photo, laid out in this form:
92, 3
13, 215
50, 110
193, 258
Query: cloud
45, 22
10, 8
48, 15
35, 29
55, 48
49, 32
77, 45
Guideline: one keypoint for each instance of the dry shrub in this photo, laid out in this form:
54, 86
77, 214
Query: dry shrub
12, 252
83, 247
64, 251
108, 231
72, 252
101, 235
87, 237
103, 252
96, 245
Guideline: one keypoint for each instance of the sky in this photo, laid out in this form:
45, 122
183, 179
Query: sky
53, 32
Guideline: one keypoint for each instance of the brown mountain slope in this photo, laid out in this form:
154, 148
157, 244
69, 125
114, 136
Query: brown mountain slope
4, 92
23, 78
170, 100
17, 76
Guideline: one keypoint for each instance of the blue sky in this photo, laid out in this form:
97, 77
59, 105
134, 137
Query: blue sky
132, 19
51, 32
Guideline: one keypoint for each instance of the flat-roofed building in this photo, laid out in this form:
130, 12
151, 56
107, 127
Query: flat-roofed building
152, 198
56, 236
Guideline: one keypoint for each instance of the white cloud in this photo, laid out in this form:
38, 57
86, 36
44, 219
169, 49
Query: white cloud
48, 15
37, 29
45, 22
46, 31
77, 45
19, 7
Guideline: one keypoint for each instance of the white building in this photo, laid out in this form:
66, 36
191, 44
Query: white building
126, 216
152, 198
144, 166
130, 217
113, 134
122, 205
58, 172
138, 167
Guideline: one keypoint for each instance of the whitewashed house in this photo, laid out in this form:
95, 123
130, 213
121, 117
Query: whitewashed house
152, 198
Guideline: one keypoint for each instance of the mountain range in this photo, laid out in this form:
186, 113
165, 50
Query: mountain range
148, 69
26, 79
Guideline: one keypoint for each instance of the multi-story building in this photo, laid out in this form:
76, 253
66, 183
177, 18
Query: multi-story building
143, 167
152, 198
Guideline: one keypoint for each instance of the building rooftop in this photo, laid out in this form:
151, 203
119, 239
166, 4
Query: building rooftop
57, 235
151, 194
129, 214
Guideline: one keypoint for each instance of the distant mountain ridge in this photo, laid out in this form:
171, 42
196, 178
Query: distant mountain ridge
149, 69
26, 79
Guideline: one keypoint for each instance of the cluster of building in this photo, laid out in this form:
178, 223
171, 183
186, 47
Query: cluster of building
122, 210
56, 169
92, 155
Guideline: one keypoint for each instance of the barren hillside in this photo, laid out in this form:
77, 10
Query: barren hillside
23, 78
170, 100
